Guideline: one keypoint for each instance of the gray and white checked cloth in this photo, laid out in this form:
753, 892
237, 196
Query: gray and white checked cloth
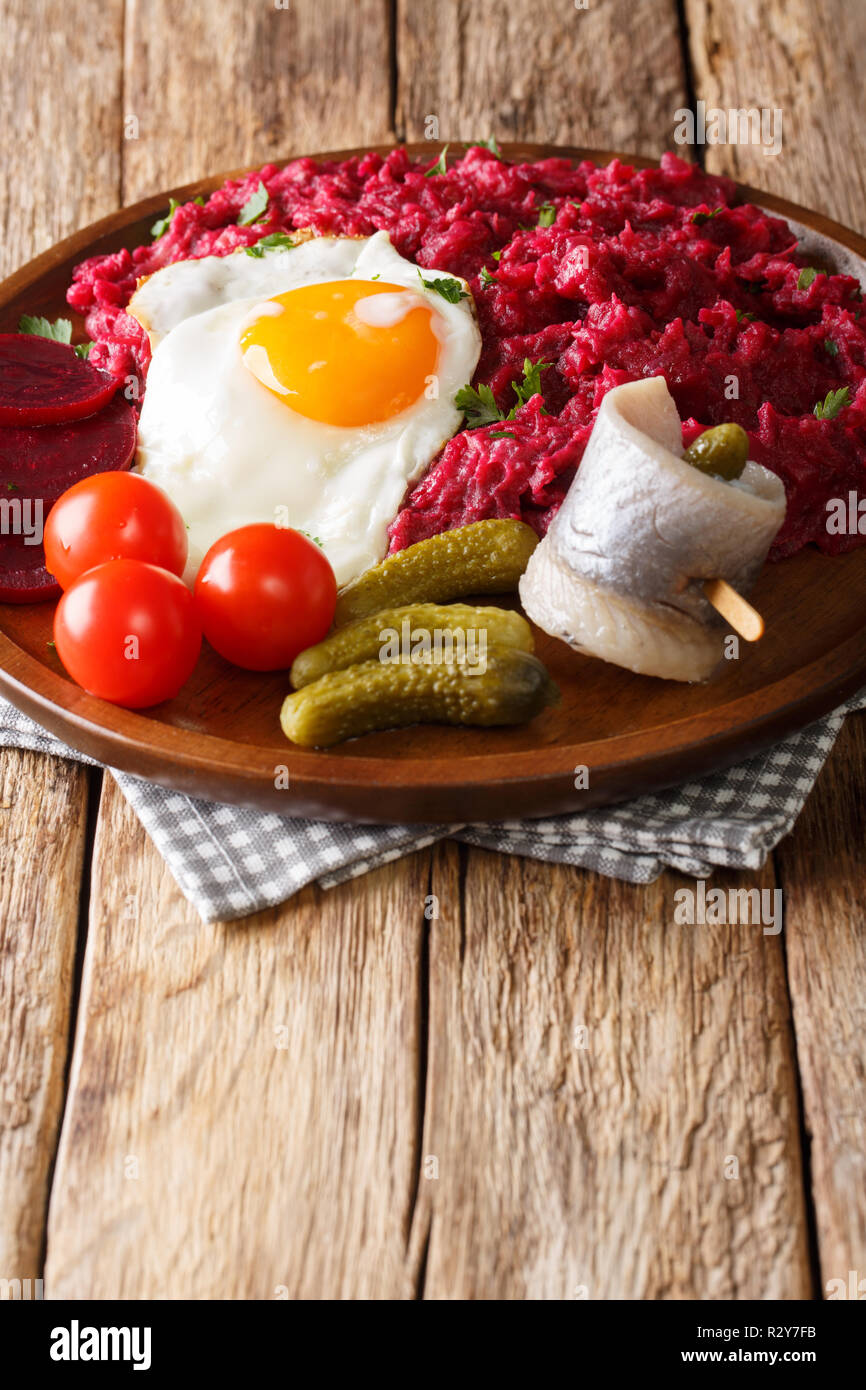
230, 861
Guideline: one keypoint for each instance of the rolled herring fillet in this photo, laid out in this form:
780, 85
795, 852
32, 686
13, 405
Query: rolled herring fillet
619, 573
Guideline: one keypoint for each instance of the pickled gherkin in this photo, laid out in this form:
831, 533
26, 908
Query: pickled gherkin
511, 688
486, 557
444, 628
722, 451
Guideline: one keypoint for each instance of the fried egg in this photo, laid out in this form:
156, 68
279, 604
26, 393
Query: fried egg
308, 387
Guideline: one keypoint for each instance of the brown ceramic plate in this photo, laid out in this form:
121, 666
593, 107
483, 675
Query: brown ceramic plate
221, 738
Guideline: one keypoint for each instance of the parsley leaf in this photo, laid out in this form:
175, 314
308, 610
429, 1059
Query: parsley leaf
497, 254
699, 217
82, 350
546, 215
449, 288
161, 227
831, 347
744, 317
274, 241
806, 276
53, 645
531, 384
255, 206
440, 167
11, 487
60, 331
501, 434
486, 277
490, 145
479, 406
833, 402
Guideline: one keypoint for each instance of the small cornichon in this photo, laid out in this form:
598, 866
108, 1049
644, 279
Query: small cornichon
486, 557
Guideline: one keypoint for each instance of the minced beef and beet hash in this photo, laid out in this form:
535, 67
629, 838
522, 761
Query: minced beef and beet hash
583, 278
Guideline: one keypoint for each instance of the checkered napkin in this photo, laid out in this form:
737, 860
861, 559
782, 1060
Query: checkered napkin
230, 861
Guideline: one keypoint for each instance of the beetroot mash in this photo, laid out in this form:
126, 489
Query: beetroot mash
606, 275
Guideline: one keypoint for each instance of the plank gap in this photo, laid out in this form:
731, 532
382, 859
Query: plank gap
696, 152
421, 1106
393, 70
93, 795
812, 1245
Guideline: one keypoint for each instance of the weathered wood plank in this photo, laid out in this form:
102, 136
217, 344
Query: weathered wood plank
801, 57
822, 866
43, 805
229, 83
260, 1166
595, 1075
59, 131
242, 1117
562, 1168
546, 71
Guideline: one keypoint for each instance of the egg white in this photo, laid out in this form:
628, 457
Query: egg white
229, 452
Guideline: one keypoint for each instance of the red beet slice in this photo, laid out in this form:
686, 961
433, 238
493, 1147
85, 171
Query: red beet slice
43, 382
44, 460
37, 464
23, 576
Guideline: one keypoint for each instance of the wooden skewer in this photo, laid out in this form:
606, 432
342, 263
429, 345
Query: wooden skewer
744, 619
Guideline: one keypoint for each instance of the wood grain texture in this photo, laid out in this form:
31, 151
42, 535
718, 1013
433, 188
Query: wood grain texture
802, 57
592, 1164
546, 71
60, 130
822, 866
60, 85
230, 82
242, 1120
42, 822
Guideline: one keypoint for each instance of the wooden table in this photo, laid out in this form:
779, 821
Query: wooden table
538, 1093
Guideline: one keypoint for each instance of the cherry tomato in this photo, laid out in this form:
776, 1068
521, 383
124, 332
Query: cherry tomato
264, 593
113, 516
128, 632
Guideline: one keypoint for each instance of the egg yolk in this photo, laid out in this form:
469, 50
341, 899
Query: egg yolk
321, 356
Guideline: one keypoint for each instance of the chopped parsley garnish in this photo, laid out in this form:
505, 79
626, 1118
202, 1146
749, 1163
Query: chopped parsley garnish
486, 277
490, 145
60, 331
255, 207
744, 317
497, 254
531, 384
377, 276
449, 288
440, 167
11, 487
830, 346
480, 406
699, 217
501, 434
833, 402
159, 228
546, 215
52, 645
807, 275
162, 225
274, 241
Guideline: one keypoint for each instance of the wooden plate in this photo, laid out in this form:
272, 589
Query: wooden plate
221, 739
